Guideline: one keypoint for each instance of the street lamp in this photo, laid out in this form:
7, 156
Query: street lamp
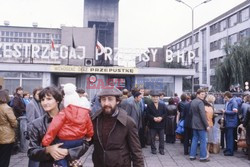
192, 9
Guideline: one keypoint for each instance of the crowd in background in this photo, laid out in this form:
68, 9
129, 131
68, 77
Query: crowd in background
189, 118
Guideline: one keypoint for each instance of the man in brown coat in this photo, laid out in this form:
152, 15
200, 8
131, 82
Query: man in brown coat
116, 141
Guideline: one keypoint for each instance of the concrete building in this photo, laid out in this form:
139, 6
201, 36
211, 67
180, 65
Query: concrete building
209, 41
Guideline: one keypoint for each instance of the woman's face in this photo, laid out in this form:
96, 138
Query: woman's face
49, 103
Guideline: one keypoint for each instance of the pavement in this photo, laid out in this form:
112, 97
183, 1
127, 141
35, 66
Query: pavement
173, 157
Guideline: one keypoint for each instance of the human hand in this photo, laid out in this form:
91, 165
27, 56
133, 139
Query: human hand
156, 119
159, 119
56, 152
88, 139
208, 128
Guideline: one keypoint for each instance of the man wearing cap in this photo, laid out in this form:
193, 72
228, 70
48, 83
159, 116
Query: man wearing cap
156, 114
116, 141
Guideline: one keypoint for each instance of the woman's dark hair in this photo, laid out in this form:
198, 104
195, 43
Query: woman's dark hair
53, 91
170, 101
183, 97
4, 97
37, 89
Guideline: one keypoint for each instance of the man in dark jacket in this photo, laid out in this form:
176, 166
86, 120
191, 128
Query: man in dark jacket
116, 141
18, 103
199, 126
156, 114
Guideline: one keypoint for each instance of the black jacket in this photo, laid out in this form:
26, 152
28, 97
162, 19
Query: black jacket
153, 112
18, 106
37, 152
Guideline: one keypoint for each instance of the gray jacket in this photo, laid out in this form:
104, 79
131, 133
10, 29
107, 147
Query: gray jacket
199, 119
135, 113
34, 110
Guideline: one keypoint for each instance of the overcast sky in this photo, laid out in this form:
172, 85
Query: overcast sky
142, 23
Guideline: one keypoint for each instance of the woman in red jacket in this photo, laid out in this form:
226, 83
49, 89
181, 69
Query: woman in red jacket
70, 125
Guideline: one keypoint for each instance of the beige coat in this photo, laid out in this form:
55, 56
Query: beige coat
7, 124
209, 113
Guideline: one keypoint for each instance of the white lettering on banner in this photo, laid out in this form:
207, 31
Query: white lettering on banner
180, 56
17, 52
35, 51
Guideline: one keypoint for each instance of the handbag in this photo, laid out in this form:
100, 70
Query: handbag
241, 142
180, 127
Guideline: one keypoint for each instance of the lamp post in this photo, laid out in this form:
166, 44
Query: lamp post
192, 9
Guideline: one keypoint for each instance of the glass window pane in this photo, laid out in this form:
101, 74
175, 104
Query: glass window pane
29, 84
10, 74
11, 85
31, 75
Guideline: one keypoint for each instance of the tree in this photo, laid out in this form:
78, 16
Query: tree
235, 69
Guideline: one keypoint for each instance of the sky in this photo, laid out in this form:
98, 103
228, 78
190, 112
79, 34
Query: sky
142, 23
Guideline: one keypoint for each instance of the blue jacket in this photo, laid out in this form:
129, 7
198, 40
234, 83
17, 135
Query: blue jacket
231, 117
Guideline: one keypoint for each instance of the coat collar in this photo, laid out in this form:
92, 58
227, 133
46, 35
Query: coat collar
121, 117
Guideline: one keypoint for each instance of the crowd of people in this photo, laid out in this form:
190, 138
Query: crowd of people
63, 123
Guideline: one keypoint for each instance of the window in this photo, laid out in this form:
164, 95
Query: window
29, 34
223, 42
196, 52
214, 28
35, 35
20, 34
39, 35
11, 39
16, 34
223, 25
3, 39
244, 14
3, 33
232, 39
7, 33
43, 35
196, 37
11, 34
243, 34
196, 67
233, 20
188, 42
214, 46
20, 40
7, 40
24, 34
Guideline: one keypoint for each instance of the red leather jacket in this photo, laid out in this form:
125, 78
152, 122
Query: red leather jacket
71, 123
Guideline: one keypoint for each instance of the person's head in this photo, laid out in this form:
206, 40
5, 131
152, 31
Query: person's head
109, 99
162, 94
175, 95
201, 93
36, 92
4, 97
155, 96
142, 91
50, 98
80, 92
183, 97
125, 92
70, 95
133, 90
247, 98
210, 99
19, 91
26, 95
171, 101
137, 96
227, 96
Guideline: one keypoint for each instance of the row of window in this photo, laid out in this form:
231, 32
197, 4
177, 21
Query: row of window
185, 43
25, 40
231, 21
29, 34
231, 40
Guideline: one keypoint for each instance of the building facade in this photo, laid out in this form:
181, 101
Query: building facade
210, 39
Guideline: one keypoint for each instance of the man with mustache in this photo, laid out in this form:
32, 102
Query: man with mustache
116, 141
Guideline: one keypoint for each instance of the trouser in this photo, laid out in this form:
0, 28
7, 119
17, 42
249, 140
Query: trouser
5, 153
67, 144
187, 139
33, 163
199, 135
222, 138
170, 138
229, 141
142, 137
153, 133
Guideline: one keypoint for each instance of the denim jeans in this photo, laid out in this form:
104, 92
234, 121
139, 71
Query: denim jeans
67, 144
199, 135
